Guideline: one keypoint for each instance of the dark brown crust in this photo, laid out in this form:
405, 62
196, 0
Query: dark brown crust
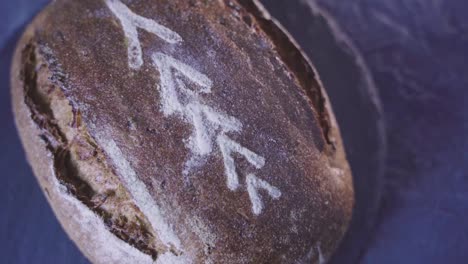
67, 151
290, 228
299, 65
78, 220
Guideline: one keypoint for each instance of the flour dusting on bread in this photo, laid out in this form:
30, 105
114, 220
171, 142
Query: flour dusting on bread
177, 99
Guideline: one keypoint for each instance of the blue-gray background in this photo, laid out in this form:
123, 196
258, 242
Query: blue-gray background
417, 51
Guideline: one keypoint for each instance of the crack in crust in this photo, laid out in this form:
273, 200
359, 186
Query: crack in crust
78, 162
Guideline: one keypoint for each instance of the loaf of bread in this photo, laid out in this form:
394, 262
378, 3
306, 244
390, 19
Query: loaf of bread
175, 131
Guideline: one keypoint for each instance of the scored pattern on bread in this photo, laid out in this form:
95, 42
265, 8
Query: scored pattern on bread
131, 22
216, 148
176, 99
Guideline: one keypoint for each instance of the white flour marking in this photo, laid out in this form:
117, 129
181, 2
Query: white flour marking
177, 99
315, 252
168, 68
205, 121
169, 258
307, 258
336, 171
140, 194
104, 245
253, 185
227, 147
130, 22
321, 258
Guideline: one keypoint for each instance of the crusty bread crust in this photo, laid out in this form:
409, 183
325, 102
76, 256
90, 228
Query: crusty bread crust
85, 228
92, 235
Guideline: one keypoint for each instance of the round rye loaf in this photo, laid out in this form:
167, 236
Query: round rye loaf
180, 131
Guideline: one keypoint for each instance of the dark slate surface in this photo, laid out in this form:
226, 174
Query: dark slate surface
417, 51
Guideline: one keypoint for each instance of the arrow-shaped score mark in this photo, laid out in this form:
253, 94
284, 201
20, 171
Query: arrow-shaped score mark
205, 119
169, 83
130, 22
227, 147
254, 184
